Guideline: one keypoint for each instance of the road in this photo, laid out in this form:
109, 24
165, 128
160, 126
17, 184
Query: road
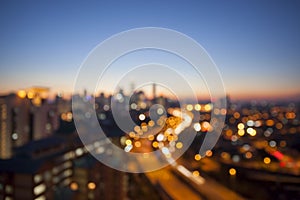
172, 185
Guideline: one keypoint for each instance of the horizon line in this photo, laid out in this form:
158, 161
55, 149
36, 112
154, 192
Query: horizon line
234, 97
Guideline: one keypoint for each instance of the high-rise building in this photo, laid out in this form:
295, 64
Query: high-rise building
44, 120
154, 93
59, 167
25, 116
39, 170
15, 123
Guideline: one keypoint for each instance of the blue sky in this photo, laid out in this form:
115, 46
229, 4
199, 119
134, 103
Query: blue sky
255, 44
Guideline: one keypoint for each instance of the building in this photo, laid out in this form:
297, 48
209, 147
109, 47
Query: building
59, 167
25, 117
93, 180
39, 170
15, 123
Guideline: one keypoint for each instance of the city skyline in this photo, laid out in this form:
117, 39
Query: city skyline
149, 100
255, 46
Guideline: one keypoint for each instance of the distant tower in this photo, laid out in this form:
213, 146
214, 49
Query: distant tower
154, 92
84, 92
132, 87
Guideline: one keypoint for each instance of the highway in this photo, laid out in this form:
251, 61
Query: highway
180, 183
175, 180
172, 184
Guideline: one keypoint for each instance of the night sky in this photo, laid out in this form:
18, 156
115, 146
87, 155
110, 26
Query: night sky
255, 44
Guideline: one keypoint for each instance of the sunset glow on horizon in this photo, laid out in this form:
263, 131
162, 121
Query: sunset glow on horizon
255, 46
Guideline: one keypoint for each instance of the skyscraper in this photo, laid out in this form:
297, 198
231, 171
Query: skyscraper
15, 123
154, 92
25, 116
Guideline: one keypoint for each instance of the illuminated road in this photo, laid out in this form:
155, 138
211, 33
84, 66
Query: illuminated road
176, 180
172, 185
180, 183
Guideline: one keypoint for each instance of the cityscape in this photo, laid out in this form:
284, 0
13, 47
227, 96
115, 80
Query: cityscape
42, 156
129, 138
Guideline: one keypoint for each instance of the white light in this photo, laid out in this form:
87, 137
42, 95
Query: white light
179, 129
197, 126
176, 113
119, 97
15, 136
165, 150
69, 155
39, 189
8, 189
160, 137
236, 158
169, 131
199, 180
128, 148
133, 106
234, 138
102, 116
250, 123
251, 131
246, 147
257, 123
160, 111
197, 107
37, 178
272, 143
97, 144
189, 107
48, 126
67, 173
142, 117
100, 150
106, 107
78, 151
184, 170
